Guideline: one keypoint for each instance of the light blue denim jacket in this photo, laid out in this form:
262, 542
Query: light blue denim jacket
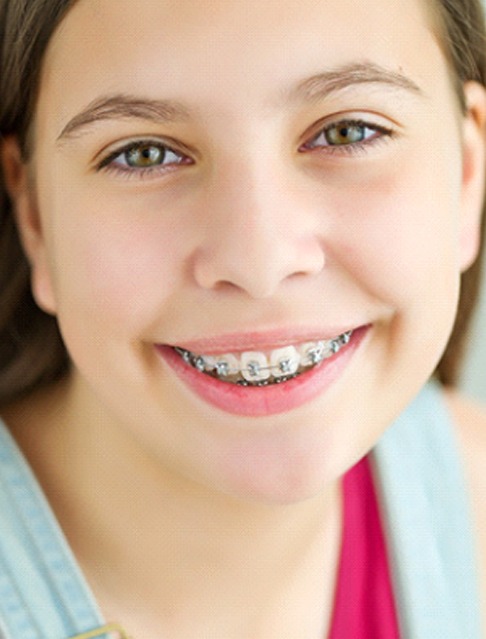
43, 594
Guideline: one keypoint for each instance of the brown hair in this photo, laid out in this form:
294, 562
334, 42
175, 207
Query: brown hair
31, 349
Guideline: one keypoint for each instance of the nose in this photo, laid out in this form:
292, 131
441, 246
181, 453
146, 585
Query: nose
259, 234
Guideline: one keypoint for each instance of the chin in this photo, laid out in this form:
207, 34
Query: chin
276, 476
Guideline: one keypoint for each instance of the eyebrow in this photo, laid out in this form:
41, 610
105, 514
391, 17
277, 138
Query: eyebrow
350, 75
125, 106
122, 106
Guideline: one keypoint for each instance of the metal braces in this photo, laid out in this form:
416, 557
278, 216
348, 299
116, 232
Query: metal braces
222, 368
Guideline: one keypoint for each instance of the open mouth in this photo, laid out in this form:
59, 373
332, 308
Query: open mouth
265, 368
260, 383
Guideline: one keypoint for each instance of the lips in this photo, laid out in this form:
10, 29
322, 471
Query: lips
252, 400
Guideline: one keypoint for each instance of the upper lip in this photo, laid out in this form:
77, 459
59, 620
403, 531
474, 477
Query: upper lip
261, 340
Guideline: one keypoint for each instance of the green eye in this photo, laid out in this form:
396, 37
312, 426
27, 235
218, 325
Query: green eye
348, 133
340, 134
145, 156
142, 156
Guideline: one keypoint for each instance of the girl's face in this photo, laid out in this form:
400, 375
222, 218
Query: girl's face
230, 177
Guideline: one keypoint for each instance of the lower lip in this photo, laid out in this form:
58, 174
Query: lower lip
266, 400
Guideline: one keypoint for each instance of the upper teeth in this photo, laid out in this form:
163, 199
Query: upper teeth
257, 366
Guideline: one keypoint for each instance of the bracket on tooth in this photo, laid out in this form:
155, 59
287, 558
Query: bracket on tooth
345, 337
253, 368
222, 369
316, 354
285, 365
186, 355
335, 345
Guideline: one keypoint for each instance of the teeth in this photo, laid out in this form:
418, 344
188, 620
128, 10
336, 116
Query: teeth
226, 365
335, 345
314, 352
209, 363
311, 353
346, 337
255, 368
284, 361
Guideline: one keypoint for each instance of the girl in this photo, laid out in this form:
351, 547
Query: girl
249, 229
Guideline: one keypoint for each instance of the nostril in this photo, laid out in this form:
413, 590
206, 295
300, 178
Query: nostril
260, 268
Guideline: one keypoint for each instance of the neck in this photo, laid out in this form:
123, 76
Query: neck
144, 535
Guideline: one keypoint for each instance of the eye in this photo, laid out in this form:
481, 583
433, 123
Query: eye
143, 156
348, 133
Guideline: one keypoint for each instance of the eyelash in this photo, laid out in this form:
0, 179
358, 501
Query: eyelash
109, 164
378, 134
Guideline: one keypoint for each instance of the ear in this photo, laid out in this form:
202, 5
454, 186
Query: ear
473, 173
22, 195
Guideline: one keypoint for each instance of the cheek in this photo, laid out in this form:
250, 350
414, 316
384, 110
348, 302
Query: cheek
114, 268
401, 236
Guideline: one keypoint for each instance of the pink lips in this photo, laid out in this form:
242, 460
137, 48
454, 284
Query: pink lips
267, 400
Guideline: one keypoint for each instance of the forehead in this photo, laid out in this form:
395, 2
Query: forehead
210, 52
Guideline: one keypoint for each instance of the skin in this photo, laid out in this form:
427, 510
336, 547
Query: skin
257, 231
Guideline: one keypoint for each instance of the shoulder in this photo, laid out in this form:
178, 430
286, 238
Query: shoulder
469, 419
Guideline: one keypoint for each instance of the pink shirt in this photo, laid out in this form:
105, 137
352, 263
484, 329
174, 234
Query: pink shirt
364, 604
